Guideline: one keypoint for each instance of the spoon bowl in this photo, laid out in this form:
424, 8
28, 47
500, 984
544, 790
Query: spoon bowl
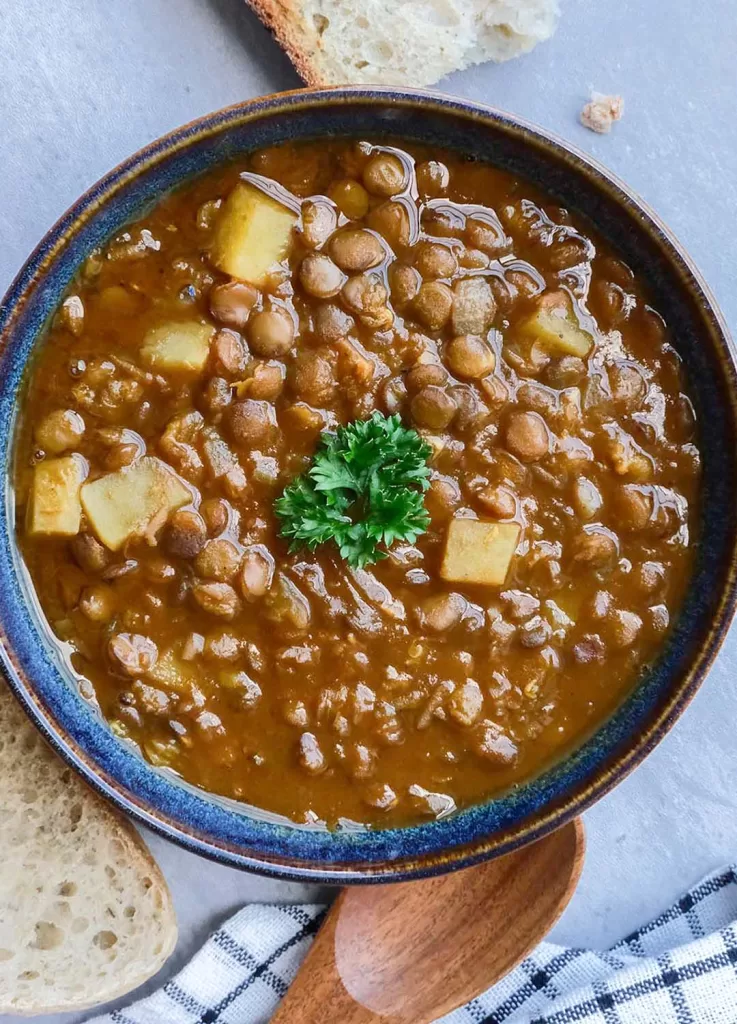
412, 952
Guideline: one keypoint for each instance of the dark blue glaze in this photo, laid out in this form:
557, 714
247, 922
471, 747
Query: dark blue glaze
231, 832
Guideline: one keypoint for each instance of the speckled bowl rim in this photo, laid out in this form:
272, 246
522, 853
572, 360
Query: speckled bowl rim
211, 826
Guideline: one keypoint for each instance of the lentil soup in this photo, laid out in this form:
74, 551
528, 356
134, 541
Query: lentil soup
191, 375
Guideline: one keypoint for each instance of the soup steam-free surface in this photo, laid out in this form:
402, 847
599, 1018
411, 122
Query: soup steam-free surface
186, 381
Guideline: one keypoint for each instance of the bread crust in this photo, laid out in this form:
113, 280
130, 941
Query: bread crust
286, 23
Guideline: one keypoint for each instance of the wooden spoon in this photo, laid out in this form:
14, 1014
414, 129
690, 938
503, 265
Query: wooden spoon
412, 952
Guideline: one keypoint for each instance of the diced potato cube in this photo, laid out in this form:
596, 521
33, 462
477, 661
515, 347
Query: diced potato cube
135, 500
478, 552
180, 347
555, 327
252, 234
171, 673
54, 506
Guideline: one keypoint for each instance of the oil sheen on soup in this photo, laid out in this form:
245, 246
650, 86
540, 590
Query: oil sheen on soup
192, 373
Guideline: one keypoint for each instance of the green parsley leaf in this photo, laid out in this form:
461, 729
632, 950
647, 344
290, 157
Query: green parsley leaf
364, 491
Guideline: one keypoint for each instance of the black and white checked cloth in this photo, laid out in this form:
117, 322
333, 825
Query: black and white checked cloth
680, 969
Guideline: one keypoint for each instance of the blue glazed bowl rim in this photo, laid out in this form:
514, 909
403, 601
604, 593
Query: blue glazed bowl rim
212, 826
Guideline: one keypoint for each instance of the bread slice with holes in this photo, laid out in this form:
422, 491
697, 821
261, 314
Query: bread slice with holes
402, 42
85, 914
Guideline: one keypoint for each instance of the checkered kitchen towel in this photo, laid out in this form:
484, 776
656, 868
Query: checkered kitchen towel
680, 969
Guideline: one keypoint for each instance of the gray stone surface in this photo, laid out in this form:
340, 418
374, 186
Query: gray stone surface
83, 83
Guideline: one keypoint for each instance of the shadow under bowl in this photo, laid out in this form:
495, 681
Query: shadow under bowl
242, 836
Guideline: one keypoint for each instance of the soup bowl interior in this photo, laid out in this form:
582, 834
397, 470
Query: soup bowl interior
245, 836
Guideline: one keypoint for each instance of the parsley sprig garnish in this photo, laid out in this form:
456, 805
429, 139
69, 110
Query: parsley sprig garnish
364, 491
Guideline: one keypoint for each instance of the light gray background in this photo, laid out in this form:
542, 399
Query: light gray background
84, 83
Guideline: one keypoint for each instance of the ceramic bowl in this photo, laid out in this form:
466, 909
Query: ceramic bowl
236, 834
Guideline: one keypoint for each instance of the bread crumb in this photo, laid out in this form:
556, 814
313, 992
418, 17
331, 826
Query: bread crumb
601, 112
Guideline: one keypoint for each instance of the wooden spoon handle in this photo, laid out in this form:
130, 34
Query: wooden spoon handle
317, 995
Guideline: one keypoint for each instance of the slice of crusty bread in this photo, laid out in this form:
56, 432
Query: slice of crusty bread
402, 42
85, 914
